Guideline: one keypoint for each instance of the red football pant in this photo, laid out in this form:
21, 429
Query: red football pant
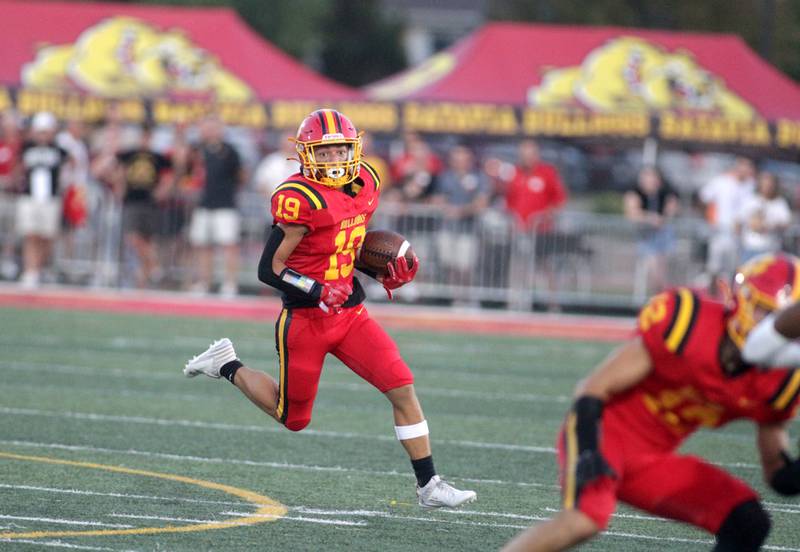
304, 336
679, 487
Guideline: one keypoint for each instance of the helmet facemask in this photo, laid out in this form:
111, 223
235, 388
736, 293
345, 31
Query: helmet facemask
333, 174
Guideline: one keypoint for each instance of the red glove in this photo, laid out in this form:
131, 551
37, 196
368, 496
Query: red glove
399, 276
334, 295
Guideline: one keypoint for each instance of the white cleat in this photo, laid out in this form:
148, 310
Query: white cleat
211, 360
437, 494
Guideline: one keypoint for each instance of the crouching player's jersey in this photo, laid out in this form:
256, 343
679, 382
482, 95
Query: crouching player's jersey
336, 219
687, 388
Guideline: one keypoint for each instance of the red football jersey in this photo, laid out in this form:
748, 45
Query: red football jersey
687, 388
533, 192
336, 222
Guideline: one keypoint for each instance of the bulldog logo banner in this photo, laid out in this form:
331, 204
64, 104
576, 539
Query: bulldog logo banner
124, 57
630, 74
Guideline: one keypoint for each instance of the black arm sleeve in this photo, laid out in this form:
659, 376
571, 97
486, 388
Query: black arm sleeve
292, 283
786, 481
588, 413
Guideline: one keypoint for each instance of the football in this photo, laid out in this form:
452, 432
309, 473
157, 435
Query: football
380, 247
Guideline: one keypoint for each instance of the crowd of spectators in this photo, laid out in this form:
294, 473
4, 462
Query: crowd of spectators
176, 201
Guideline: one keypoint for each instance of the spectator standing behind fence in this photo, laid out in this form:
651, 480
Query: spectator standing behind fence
39, 206
724, 197
765, 216
533, 193
463, 193
215, 221
276, 167
414, 171
10, 147
141, 180
651, 205
76, 183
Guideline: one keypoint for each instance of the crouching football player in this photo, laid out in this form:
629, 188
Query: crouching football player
681, 372
321, 215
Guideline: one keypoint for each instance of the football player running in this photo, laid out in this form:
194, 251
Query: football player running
681, 372
320, 218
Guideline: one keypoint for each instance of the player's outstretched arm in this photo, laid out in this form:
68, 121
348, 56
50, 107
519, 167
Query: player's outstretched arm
773, 341
781, 472
623, 369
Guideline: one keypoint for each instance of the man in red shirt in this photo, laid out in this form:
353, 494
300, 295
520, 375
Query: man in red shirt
683, 371
320, 219
534, 191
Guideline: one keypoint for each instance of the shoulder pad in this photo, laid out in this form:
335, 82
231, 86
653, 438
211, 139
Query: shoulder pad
370, 170
315, 198
668, 318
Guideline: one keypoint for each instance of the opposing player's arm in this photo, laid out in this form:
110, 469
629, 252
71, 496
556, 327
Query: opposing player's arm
624, 368
781, 472
773, 342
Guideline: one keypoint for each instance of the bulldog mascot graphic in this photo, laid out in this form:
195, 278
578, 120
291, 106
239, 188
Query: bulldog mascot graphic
125, 57
631, 74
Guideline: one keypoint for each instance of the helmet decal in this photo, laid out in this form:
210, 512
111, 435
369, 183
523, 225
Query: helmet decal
323, 128
767, 283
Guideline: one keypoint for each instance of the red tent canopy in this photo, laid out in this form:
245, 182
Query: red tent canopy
128, 50
601, 69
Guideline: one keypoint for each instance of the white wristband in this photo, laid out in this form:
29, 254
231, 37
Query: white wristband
763, 343
411, 431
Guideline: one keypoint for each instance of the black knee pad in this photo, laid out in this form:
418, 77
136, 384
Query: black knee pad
745, 529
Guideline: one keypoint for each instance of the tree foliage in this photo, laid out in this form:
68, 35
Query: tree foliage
771, 27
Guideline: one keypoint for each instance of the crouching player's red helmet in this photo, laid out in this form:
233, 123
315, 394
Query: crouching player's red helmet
326, 127
765, 283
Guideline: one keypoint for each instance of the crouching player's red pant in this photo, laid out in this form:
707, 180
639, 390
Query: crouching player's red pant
679, 487
304, 336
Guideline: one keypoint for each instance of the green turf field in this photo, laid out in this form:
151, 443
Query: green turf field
99, 390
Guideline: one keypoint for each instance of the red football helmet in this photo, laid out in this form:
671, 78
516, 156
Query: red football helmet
767, 283
326, 127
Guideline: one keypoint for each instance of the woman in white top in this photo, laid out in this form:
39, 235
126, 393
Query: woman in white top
764, 218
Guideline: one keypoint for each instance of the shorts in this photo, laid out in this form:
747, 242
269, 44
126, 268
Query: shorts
214, 226
669, 485
38, 217
304, 336
140, 218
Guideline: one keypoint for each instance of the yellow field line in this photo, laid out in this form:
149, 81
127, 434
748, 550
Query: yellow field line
268, 509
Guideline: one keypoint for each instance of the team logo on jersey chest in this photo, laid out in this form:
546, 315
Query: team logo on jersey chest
353, 221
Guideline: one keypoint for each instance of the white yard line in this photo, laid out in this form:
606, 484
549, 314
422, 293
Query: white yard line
65, 521
121, 495
255, 463
61, 544
242, 514
354, 386
162, 518
88, 416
